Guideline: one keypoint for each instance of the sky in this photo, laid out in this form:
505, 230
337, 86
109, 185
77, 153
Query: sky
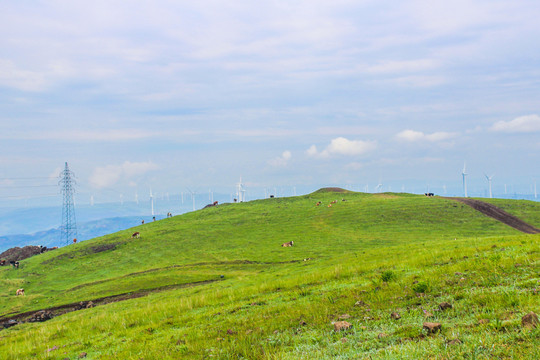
177, 95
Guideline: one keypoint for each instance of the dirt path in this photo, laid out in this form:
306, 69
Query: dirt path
49, 313
499, 215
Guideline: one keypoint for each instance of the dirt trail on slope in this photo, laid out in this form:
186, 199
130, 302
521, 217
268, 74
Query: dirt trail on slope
49, 313
499, 215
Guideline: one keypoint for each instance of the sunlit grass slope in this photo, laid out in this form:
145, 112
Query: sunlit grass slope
265, 301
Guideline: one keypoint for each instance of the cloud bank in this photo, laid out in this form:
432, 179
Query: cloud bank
343, 147
415, 136
281, 160
527, 123
109, 175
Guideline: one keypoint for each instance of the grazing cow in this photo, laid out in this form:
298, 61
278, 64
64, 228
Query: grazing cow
215, 203
42, 249
154, 218
333, 202
318, 203
287, 244
2, 262
74, 241
329, 205
15, 264
19, 292
136, 235
142, 222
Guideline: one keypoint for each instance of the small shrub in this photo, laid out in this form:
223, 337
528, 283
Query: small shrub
421, 287
388, 275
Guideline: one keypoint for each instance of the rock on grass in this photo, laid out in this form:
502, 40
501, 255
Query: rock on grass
342, 325
432, 327
530, 320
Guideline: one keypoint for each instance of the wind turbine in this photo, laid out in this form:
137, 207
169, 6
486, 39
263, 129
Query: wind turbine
378, 187
489, 178
192, 197
241, 191
152, 201
464, 174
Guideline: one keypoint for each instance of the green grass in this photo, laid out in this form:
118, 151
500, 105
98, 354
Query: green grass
270, 303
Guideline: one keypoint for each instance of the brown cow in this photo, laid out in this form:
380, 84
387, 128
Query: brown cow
287, 244
2, 262
136, 235
19, 292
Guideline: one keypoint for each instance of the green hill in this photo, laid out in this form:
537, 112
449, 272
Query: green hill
216, 283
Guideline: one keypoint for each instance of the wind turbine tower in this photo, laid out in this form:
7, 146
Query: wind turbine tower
241, 191
464, 175
489, 178
192, 198
152, 201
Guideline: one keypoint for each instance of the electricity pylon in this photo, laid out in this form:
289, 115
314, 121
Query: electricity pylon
68, 230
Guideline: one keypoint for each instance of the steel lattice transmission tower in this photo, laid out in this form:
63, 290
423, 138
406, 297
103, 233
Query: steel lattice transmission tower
68, 230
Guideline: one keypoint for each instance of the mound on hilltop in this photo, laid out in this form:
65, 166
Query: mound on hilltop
18, 254
331, 189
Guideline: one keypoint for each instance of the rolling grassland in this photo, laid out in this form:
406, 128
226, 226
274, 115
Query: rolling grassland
216, 283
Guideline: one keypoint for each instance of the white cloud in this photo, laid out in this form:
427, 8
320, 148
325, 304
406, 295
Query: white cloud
527, 123
413, 136
109, 175
281, 160
343, 146
312, 151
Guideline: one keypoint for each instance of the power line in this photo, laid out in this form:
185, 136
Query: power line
27, 186
29, 178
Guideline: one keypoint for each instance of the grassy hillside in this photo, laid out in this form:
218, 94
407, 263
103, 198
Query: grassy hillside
217, 283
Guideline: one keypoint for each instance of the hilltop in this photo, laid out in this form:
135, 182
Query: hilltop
218, 283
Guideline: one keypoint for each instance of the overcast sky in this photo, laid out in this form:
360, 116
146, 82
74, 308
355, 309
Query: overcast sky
185, 94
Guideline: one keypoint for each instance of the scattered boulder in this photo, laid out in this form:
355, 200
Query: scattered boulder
432, 327
445, 306
82, 355
530, 320
342, 325
9, 323
395, 316
41, 316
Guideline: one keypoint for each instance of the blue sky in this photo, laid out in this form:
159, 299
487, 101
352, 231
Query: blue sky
181, 94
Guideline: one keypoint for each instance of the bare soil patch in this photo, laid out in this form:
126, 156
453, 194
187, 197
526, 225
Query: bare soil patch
499, 215
30, 316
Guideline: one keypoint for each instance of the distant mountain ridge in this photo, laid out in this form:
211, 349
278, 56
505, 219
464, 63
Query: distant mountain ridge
85, 231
